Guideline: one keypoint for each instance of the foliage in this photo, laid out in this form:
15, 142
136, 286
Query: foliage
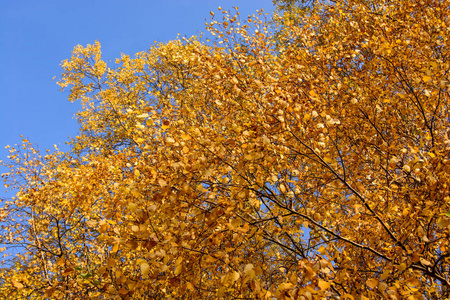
303, 164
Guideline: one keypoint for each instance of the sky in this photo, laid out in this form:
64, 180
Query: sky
35, 36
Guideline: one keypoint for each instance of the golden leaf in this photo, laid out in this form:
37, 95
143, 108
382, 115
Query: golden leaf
372, 283
16, 284
142, 116
234, 276
426, 78
323, 285
248, 271
145, 268
162, 182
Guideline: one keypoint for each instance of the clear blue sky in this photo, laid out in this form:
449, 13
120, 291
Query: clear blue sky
36, 35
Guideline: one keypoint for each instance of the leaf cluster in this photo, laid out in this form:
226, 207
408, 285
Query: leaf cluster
307, 163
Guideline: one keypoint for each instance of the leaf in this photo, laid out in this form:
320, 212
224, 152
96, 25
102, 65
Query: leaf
426, 78
143, 116
425, 262
50, 291
323, 285
178, 266
185, 137
230, 278
248, 271
189, 286
145, 268
178, 270
282, 188
92, 223
115, 248
17, 284
235, 223
382, 286
443, 222
386, 274
60, 261
312, 93
372, 283
402, 267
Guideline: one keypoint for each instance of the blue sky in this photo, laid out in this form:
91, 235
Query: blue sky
35, 36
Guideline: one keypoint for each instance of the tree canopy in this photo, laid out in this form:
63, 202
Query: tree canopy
303, 155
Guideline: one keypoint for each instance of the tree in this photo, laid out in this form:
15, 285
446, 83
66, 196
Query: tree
302, 164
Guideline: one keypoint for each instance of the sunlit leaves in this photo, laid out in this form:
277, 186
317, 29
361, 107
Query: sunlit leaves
310, 162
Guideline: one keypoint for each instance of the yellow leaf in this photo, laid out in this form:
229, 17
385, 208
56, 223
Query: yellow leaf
115, 248
145, 268
123, 292
426, 78
307, 117
235, 223
285, 286
372, 283
322, 250
60, 261
234, 276
385, 274
91, 223
162, 182
178, 270
49, 292
323, 284
425, 262
185, 137
132, 206
402, 267
382, 286
189, 286
178, 266
248, 271
16, 284
312, 93
210, 259
142, 116
111, 262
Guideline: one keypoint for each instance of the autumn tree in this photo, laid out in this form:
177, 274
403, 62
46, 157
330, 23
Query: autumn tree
300, 157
